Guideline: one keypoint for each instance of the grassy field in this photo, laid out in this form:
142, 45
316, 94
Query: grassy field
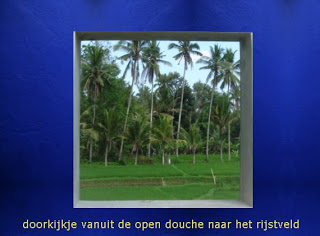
181, 180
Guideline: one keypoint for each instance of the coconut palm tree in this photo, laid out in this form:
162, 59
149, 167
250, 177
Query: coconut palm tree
235, 95
85, 129
223, 117
152, 58
230, 71
110, 128
229, 76
138, 133
163, 132
132, 55
167, 85
213, 64
94, 75
185, 50
193, 139
165, 92
143, 96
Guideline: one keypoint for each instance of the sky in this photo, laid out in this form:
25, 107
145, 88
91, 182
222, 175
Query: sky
192, 76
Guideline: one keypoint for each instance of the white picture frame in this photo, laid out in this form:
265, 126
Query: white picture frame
246, 122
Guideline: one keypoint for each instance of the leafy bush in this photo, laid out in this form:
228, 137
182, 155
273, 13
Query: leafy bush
113, 155
145, 160
122, 162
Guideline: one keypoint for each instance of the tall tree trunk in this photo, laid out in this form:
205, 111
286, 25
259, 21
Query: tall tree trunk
229, 144
93, 120
136, 158
194, 156
126, 120
173, 115
90, 152
94, 114
208, 127
110, 146
162, 155
221, 147
237, 104
180, 111
106, 154
151, 116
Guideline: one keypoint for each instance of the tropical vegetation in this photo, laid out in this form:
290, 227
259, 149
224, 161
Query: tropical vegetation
158, 118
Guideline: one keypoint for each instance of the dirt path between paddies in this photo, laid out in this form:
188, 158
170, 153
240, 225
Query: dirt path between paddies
147, 181
143, 182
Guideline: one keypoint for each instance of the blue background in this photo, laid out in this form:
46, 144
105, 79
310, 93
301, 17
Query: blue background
36, 106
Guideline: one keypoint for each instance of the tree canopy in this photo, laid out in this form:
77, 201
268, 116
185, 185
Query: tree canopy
117, 123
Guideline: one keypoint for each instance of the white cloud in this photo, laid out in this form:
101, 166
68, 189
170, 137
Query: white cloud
195, 58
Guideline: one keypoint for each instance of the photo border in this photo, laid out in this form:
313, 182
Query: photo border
246, 115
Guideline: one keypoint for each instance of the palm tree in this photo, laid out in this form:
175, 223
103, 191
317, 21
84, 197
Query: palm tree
230, 71
87, 130
138, 133
213, 64
167, 86
110, 129
223, 117
185, 50
163, 132
95, 73
151, 59
143, 96
193, 139
165, 92
202, 93
132, 54
235, 95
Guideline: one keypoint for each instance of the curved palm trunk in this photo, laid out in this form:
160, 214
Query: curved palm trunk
180, 111
221, 146
173, 114
194, 156
93, 120
106, 154
90, 152
162, 156
229, 144
151, 116
208, 127
136, 158
126, 120
237, 104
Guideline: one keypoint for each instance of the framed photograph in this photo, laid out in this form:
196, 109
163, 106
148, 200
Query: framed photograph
163, 119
